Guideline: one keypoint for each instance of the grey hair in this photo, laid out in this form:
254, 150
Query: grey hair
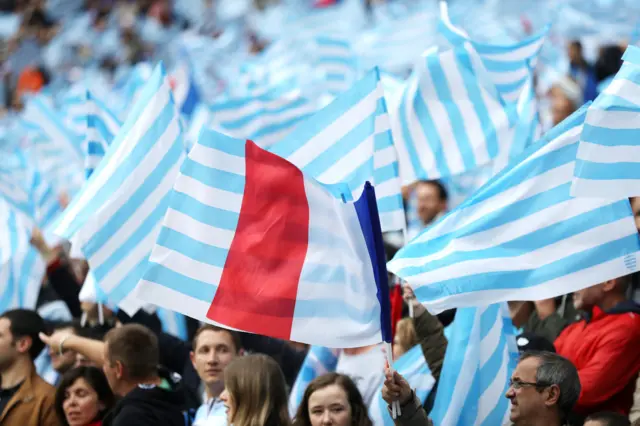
557, 370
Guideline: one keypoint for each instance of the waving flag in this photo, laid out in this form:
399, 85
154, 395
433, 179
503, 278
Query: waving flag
413, 367
266, 118
185, 91
450, 118
319, 361
508, 66
117, 216
349, 141
173, 323
102, 126
337, 62
609, 153
394, 44
40, 113
522, 236
248, 242
21, 267
480, 358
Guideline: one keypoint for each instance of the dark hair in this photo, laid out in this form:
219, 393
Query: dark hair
609, 419
577, 44
609, 62
359, 412
557, 370
235, 337
136, 347
442, 191
96, 379
61, 325
95, 332
26, 323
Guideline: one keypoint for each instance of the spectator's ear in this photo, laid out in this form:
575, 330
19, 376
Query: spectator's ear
23, 344
553, 395
192, 356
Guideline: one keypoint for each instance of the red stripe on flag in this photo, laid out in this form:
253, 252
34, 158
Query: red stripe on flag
259, 283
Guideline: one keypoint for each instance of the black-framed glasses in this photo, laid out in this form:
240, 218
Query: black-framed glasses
519, 384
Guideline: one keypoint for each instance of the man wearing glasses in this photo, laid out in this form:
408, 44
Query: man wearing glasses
543, 389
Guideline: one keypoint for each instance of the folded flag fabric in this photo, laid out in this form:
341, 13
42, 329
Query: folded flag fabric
508, 66
185, 92
522, 236
413, 367
251, 244
40, 113
609, 153
117, 215
481, 355
173, 323
337, 62
450, 119
349, 141
265, 118
102, 126
319, 361
21, 266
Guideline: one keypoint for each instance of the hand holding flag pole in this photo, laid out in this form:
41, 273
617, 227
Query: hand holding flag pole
382, 280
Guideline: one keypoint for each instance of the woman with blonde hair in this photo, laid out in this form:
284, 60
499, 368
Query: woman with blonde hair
255, 393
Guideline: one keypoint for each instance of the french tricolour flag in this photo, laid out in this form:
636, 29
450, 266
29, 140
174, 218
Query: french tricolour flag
252, 244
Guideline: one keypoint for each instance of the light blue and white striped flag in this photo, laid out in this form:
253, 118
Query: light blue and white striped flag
266, 118
413, 367
522, 236
349, 141
319, 361
337, 62
57, 149
21, 266
450, 119
173, 323
609, 154
480, 358
508, 66
40, 113
102, 126
117, 216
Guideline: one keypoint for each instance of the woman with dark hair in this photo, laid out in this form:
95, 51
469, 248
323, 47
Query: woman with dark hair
332, 398
83, 397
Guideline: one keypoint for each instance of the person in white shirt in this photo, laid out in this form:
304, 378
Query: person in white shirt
213, 349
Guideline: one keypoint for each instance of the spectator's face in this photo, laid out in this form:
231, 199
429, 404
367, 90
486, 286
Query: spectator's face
574, 53
229, 405
635, 206
595, 423
81, 404
82, 361
587, 298
64, 362
113, 371
527, 401
561, 108
8, 351
429, 203
214, 351
329, 406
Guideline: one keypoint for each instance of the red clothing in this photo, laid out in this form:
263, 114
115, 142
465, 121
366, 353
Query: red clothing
606, 351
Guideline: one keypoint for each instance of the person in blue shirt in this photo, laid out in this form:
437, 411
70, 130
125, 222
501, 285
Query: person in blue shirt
582, 72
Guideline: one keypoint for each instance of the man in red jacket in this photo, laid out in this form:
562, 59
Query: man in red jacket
604, 347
